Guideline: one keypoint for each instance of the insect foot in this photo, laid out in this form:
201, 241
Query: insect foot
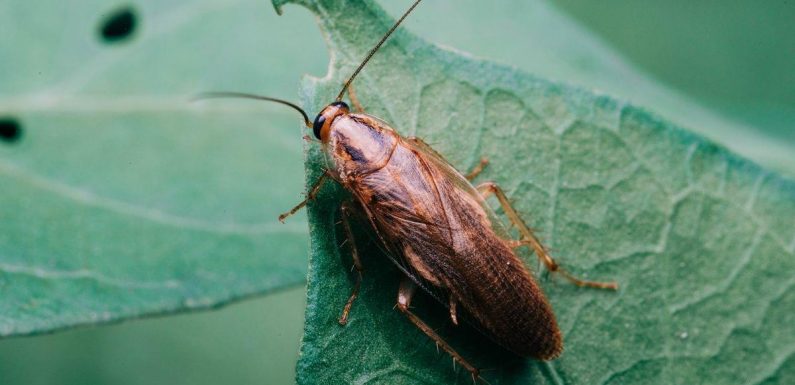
310, 196
405, 293
357, 264
530, 240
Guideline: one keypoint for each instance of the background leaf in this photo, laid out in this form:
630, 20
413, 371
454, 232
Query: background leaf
121, 198
687, 228
721, 70
192, 46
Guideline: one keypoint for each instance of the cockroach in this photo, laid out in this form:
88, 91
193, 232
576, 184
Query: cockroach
436, 227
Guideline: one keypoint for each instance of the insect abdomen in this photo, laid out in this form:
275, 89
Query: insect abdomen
418, 206
513, 308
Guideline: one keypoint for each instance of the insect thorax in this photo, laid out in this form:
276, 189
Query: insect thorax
359, 144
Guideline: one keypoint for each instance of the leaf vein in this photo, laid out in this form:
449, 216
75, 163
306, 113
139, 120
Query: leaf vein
157, 216
86, 274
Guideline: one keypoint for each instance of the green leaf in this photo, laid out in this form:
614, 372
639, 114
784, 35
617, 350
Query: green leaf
121, 198
700, 240
537, 37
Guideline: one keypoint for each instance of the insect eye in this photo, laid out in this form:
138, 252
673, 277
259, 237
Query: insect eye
319, 121
330, 112
341, 105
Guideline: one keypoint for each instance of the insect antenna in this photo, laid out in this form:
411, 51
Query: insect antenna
375, 49
242, 95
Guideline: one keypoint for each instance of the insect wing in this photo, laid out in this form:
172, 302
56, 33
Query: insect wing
441, 232
461, 183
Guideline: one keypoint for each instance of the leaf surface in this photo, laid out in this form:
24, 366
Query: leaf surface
119, 197
700, 240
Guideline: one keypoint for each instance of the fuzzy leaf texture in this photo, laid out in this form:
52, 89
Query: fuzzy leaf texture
121, 198
700, 240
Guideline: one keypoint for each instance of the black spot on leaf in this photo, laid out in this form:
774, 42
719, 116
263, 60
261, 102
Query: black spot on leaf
119, 25
10, 130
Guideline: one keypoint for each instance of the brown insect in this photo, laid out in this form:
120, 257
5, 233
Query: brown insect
436, 227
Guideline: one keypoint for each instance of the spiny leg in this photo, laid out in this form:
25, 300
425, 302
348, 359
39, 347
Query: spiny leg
310, 196
405, 292
357, 264
477, 169
529, 239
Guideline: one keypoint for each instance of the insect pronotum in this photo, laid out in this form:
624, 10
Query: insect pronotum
436, 227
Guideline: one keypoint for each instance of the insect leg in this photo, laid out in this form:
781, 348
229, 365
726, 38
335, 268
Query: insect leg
310, 196
355, 100
405, 292
477, 169
453, 311
529, 239
357, 264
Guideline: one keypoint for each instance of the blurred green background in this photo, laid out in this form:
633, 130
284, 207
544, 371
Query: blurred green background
728, 61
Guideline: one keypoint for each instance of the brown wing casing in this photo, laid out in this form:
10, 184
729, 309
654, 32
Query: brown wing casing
443, 231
